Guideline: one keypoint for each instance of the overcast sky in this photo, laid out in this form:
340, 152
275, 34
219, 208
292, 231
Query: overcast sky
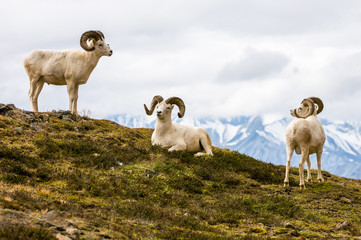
222, 57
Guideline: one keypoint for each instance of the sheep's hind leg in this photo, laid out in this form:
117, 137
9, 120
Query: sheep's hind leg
289, 150
304, 157
35, 88
206, 144
309, 177
199, 154
319, 173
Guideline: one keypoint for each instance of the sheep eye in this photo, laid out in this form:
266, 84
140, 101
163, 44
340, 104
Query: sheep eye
100, 45
168, 108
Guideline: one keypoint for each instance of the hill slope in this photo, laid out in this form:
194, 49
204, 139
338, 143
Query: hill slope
266, 140
81, 178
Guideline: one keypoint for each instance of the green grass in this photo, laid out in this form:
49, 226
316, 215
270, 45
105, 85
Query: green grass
111, 182
22, 232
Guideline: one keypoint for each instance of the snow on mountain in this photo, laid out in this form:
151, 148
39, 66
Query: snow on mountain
266, 140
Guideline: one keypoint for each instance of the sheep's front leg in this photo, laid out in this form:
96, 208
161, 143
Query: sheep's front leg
35, 89
289, 152
319, 173
309, 177
73, 96
178, 147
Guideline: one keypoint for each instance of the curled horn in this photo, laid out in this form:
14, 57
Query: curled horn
318, 102
157, 99
311, 110
97, 35
179, 102
100, 34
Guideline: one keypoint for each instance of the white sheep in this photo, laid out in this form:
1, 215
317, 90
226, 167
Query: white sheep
177, 137
305, 136
70, 67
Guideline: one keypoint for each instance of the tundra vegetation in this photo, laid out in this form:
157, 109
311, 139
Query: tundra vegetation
62, 175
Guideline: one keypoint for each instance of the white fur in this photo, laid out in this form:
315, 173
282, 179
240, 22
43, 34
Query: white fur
179, 137
70, 67
305, 136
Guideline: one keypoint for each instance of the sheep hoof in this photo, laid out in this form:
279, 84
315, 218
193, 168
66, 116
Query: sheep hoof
287, 184
321, 180
302, 186
309, 180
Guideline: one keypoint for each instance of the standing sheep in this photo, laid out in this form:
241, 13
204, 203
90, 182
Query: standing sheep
69, 67
305, 136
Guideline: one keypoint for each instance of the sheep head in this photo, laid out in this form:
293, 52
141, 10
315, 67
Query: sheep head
95, 41
309, 106
164, 108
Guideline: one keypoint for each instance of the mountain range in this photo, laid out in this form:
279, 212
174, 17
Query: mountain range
265, 141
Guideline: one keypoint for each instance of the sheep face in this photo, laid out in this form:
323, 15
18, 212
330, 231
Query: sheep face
164, 110
102, 48
94, 41
165, 107
305, 109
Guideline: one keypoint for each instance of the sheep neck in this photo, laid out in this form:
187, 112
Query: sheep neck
92, 59
163, 126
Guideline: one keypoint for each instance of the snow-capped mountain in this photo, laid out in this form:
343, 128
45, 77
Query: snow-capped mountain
266, 141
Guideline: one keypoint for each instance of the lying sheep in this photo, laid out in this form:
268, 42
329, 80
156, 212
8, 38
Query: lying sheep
70, 67
305, 136
177, 137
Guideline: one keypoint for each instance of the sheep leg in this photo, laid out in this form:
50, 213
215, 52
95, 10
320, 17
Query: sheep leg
309, 177
35, 89
319, 173
305, 153
73, 96
206, 143
289, 151
178, 147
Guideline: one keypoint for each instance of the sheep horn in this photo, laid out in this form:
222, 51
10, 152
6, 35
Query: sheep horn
157, 99
318, 102
179, 102
310, 112
100, 34
97, 35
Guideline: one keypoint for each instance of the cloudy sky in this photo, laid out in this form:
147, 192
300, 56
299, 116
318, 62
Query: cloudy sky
222, 57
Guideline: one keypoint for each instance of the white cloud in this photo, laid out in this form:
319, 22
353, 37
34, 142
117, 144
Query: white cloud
188, 49
254, 65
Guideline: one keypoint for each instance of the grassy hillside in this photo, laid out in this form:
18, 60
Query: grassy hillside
63, 177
